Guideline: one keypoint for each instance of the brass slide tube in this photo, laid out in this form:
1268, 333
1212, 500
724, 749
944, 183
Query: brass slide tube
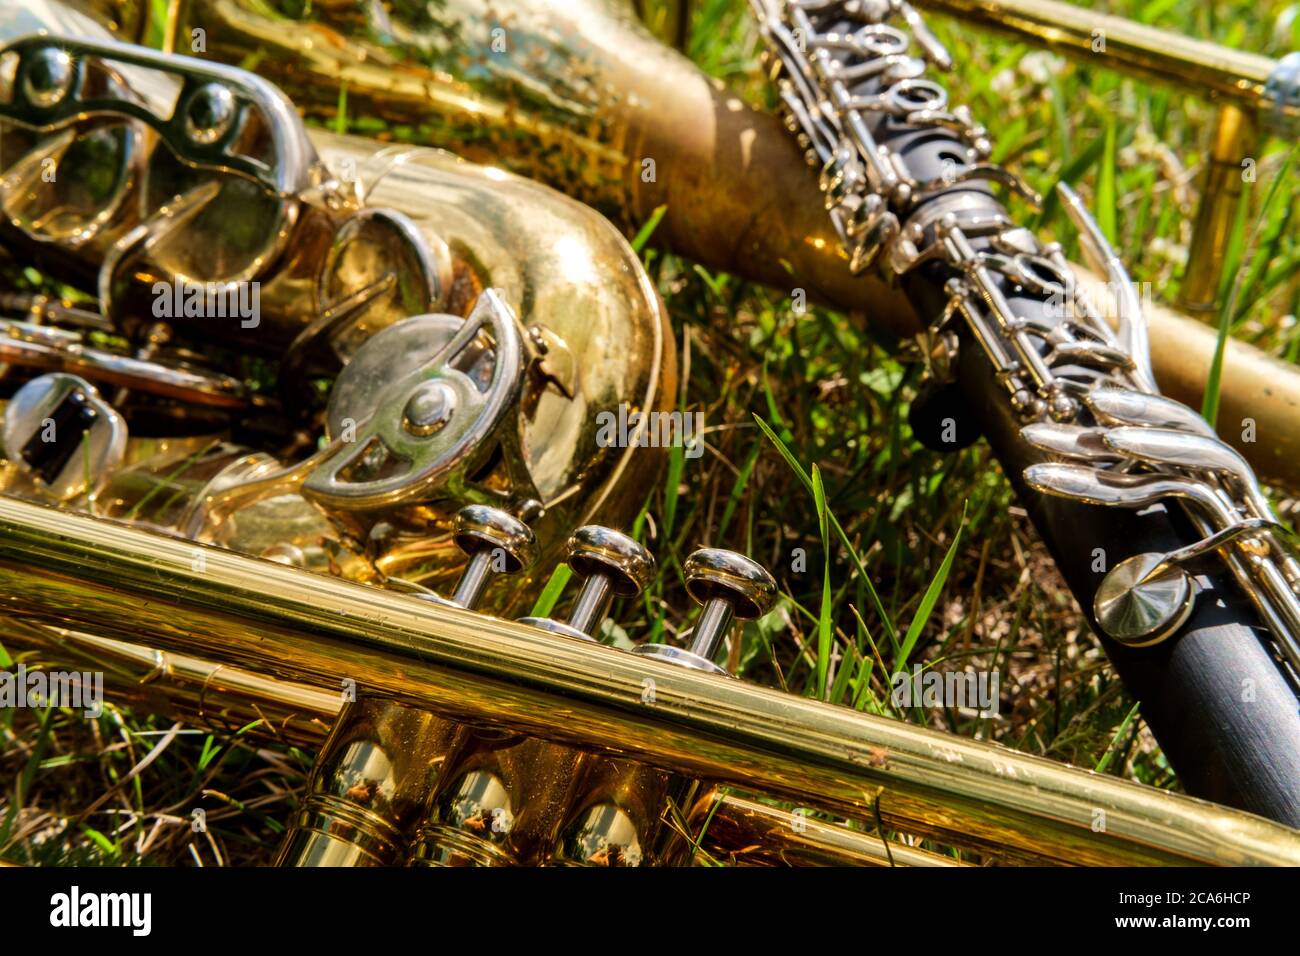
1234, 79
1235, 139
1130, 47
290, 624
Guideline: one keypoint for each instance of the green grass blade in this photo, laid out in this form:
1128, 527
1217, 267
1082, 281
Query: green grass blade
546, 601
1232, 286
1115, 741
885, 618
341, 115
738, 490
1107, 204
929, 600
673, 481
824, 614
647, 230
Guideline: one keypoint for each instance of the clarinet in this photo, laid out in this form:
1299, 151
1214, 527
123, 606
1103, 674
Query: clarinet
1159, 528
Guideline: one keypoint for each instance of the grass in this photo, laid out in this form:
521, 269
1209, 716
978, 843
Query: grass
887, 555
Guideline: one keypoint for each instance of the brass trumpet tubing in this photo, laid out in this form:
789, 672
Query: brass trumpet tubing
756, 834
290, 624
618, 816
213, 696
229, 699
501, 804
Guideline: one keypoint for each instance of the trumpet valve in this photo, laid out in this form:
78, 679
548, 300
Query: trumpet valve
496, 542
730, 587
613, 565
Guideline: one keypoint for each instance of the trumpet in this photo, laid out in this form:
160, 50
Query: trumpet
221, 632
349, 556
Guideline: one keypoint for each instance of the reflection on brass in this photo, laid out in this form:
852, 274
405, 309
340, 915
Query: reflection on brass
500, 804
575, 285
468, 327
375, 772
621, 816
127, 582
579, 96
756, 834
229, 699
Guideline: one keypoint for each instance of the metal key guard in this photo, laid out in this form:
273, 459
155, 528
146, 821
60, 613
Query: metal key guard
433, 419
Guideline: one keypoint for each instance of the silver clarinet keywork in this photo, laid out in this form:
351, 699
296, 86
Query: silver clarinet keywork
1084, 393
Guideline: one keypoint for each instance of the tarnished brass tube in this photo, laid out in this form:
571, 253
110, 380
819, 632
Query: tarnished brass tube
1235, 141
756, 834
1130, 47
578, 95
290, 624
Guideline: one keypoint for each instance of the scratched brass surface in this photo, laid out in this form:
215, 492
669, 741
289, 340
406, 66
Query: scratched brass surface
566, 270
577, 95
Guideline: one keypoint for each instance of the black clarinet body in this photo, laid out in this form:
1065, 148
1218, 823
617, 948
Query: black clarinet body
1183, 560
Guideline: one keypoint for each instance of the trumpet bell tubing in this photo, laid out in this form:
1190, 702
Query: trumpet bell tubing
581, 97
72, 570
